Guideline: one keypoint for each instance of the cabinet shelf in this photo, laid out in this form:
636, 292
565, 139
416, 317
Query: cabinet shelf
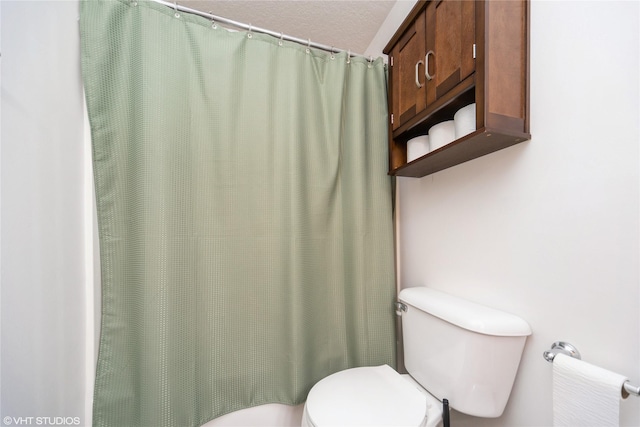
448, 54
482, 141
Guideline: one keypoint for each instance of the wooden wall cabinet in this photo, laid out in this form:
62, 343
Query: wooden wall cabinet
451, 53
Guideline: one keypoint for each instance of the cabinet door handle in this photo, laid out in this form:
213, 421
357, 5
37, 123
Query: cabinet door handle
418, 74
426, 66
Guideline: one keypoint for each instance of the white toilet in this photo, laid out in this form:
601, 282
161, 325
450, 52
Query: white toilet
453, 349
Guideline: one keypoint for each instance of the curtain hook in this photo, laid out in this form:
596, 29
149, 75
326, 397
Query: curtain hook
175, 8
349, 56
249, 35
134, 2
213, 22
308, 45
281, 36
370, 61
333, 56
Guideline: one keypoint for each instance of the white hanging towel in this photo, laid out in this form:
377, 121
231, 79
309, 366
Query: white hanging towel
584, 394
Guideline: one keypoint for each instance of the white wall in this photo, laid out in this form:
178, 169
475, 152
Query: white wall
548, 229
43, 351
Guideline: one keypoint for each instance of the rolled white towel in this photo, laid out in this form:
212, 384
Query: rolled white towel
442, 134
417, 147
465, 120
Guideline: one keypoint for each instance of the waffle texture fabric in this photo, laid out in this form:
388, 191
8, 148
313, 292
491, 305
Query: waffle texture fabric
244, 214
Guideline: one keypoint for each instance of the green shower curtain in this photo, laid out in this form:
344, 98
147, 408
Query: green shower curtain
244, 215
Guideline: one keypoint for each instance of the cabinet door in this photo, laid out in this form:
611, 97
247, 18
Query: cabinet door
408, 73
450, 36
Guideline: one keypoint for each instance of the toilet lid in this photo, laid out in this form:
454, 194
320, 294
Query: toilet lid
370, 396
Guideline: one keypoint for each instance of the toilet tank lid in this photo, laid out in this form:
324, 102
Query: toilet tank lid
465, 314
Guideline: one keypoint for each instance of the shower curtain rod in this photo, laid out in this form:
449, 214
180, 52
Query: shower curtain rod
251, 28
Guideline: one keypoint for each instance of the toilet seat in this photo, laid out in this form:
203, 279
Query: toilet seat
368, 396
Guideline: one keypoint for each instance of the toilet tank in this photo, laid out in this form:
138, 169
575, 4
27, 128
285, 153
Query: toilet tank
461, 351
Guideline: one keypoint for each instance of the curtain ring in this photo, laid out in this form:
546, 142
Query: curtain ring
213, 22
249, 35
281, 36
308, 45
370, 61
349, 56
333, 56
175, 8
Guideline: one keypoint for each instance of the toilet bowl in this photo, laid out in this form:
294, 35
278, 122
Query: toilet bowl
370, 396
454, 349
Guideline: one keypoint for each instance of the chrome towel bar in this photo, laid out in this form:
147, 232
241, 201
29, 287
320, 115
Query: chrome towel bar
561, 347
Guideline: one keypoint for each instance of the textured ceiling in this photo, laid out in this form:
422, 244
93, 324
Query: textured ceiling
345, 24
